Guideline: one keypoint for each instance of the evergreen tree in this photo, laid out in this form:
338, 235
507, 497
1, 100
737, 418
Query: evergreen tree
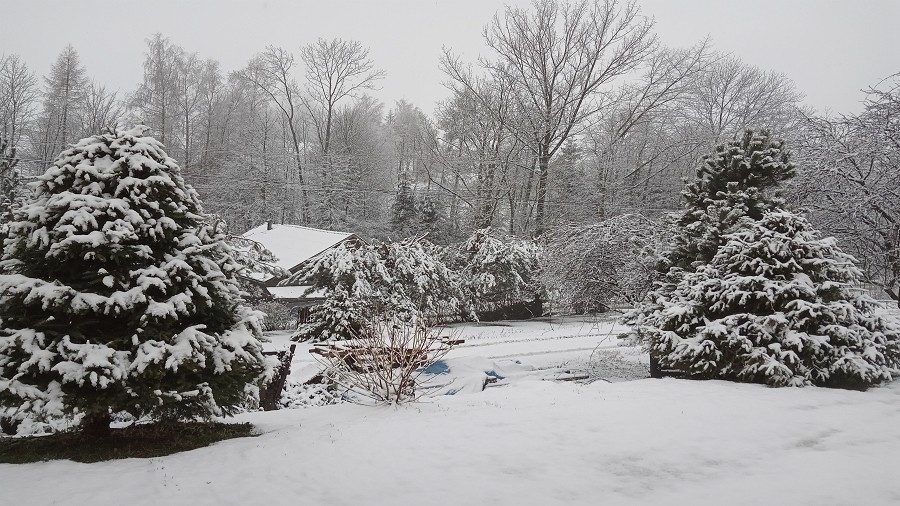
9, 178
734, 186
10, 187
775, 306
64, 99
430, 215
733, 183
116, 296
403, 210
496, 271
404, 280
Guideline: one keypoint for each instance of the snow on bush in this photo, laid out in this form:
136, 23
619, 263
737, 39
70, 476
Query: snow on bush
402, 279
115, 295
775, 305
253, 258
496, 271
589, 268
299, 394
278, 315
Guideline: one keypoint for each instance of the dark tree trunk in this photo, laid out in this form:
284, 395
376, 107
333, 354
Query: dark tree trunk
543, 170
96, 424
655, 370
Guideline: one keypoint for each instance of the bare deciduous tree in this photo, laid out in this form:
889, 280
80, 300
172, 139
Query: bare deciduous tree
211, 100
685, 103
732, 96
481, 154
852, 183
156, 99
560, 58
272, 72
189, 97
335, 69
102, 109
18, 96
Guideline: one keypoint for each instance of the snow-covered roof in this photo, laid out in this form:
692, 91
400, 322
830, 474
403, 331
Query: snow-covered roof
294, 292
294, 244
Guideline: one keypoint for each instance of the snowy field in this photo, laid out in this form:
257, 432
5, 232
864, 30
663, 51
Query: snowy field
524, 440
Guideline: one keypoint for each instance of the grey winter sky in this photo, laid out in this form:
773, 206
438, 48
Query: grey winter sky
830, 48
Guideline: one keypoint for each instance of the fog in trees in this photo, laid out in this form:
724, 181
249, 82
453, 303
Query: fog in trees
576, 113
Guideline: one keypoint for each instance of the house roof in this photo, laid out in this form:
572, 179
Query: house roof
293, 244
295, 292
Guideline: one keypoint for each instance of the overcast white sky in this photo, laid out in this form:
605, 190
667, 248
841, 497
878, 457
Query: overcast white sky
830, 48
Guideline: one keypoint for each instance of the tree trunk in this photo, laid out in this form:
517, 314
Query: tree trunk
655, 369
527, 208
96, 424
543, 169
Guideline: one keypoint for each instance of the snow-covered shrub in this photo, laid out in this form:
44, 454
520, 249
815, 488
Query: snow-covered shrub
496, 271
278, 316
115, 295
310, 394
775, 306
361, 281
253, 259
590, 268
254, 262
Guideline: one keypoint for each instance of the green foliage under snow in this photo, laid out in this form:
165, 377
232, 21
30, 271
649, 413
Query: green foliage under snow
775, 305
115, 295
364, 281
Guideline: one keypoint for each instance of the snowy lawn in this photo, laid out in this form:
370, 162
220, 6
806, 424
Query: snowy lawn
528, 441
547, 347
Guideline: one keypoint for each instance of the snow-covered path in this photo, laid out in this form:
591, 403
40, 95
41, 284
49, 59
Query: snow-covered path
532, 442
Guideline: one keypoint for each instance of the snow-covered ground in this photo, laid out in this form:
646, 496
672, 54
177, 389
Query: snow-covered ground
525, 441
557, 347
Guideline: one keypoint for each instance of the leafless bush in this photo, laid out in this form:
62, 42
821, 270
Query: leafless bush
384, 364
278, 316
605, 265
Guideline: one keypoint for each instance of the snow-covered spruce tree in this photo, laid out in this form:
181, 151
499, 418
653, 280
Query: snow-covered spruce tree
775, 306
116, 296
9, 176
10, 186
401, 280
734, 186
431, 218
739, 180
